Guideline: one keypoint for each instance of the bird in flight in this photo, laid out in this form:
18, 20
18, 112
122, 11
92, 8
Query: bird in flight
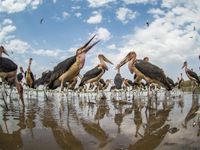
41, 20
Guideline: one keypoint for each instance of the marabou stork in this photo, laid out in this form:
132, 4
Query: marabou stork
137, 79
180, 81
44, 79
191, 74
95, 74
66, 70
30, 81
118, 80
20, 75
149, 72
171, 82
8, 73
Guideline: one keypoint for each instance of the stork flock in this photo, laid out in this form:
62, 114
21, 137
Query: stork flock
66, 74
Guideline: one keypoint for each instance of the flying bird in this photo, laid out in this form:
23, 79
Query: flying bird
41, 20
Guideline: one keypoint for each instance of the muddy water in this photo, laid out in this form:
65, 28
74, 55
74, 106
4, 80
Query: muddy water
85, 122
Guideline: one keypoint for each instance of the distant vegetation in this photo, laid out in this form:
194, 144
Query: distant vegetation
187, 86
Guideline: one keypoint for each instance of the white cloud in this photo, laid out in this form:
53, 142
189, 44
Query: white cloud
103, 34
13, 6
50, 53
99, 3
156, 12
54, 1
78, 14
125, 14
5, 29
96, 18
112, 47
17, 46
65, 14
7, 22
138, 1
167, 40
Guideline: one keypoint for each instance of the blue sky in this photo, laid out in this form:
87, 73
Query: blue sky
120, 24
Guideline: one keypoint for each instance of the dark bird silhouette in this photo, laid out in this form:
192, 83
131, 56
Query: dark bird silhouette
95, 74
191, 74
147, 23
20, 75
8, 73
41, 20
118, 80
30, 81
66, 70
44, 79
171, 82
145, 70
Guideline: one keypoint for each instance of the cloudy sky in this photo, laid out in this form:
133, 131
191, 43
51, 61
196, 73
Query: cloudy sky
171, 38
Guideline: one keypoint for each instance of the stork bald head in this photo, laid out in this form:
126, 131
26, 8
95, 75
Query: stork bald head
130, 56
184, 64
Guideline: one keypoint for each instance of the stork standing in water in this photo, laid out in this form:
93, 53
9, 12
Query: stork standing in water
29, 76
20, 75
147, 71
68, 69
8, 73
191, 75
95, 74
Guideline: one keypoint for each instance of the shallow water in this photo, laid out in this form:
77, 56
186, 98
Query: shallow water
70, 122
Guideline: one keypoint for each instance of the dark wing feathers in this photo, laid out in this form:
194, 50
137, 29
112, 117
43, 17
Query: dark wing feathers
153, 72
90, 74
61, 68
7, 65
194, 75
118, 81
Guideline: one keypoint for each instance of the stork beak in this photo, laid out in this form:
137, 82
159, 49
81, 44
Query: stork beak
123, 62
108, 61
5, 52
87, 47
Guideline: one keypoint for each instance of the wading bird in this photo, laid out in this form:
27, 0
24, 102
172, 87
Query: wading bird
30, 81
95, 74
149, 72
8, 73
66, 70
191, 74
20, 75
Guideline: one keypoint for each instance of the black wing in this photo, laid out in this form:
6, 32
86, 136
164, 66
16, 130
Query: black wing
118, 81
194, 75
7, 65
90, 74
170, 81
153, 72
19, 76
61, 68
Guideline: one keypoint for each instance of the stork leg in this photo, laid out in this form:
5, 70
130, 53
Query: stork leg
20, 91
2, 92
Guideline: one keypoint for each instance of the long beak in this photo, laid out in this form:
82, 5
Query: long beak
5, 52
86, 44
123, 62
86, 49
105, 59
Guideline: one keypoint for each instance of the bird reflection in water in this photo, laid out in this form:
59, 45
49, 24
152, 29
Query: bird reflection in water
192, 112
